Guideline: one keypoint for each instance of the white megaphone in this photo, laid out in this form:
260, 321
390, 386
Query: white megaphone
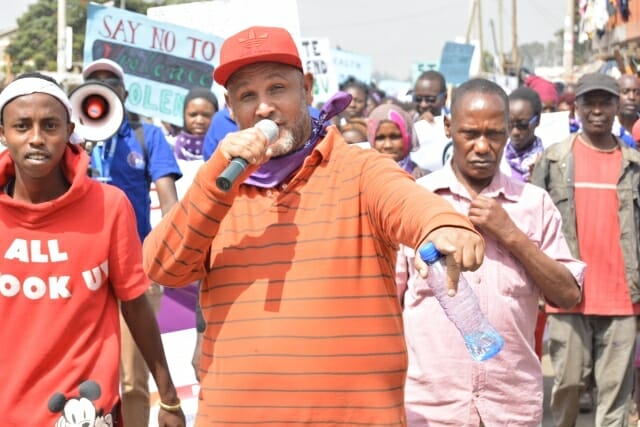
96, 110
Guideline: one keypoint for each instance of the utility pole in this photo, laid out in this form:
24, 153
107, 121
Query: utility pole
62, 36
514, 28
497, 56
472, 15
476, 14
567, 42
480, 41
500, 28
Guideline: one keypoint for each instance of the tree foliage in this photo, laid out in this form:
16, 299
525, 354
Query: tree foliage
34, 46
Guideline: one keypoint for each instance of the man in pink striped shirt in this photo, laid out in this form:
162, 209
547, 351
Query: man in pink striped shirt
526, 256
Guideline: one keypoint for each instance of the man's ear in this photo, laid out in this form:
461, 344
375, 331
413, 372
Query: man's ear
226, 101
71, 126
308, 88
447, 125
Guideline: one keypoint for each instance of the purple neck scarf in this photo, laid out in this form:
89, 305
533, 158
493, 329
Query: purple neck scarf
407, 164
521, 161
188, 146
277, 170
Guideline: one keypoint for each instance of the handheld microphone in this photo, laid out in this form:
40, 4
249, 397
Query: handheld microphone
226, 179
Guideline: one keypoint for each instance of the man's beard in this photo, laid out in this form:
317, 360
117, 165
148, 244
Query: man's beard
292, 138
286, 143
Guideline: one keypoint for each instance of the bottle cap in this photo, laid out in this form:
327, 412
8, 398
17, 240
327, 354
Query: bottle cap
429, 253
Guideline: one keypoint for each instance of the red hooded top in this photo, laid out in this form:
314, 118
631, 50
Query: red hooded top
64, 263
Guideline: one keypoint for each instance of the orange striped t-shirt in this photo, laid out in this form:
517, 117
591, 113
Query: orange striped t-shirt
303, 324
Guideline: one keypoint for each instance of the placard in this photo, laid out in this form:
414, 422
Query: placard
455, 62
161, 61
347, 64
315, 54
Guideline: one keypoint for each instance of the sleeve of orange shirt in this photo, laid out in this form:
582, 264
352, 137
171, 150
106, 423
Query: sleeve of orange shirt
402, 210
175, 250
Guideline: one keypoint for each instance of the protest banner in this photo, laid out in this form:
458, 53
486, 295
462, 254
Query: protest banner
347, 64
161, 61
316, 59
455, 62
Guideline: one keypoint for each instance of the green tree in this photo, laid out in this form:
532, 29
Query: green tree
34, 46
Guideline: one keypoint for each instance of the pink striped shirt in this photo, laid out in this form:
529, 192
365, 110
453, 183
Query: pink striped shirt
444, 385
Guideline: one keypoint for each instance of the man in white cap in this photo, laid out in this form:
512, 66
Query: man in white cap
131, 160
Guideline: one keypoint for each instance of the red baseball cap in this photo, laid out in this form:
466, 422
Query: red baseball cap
256, 44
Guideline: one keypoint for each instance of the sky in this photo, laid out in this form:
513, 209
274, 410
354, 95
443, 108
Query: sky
400, 32
397, 33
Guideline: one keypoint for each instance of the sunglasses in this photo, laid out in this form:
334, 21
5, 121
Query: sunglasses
428, 99
522, 124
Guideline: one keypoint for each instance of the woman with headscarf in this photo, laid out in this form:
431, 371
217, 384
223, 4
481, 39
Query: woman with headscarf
200, 105
390, 131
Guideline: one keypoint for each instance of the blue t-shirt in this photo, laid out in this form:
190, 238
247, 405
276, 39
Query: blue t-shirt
220, 126
627, 138
127, 168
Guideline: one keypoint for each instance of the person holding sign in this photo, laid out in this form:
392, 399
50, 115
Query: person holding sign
429, 97
200, 105
70, 254
136, 156
296, 258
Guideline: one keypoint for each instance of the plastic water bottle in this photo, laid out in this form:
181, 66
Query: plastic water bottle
482, 340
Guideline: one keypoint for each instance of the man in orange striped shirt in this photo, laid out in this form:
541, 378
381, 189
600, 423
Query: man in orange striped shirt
297, 258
